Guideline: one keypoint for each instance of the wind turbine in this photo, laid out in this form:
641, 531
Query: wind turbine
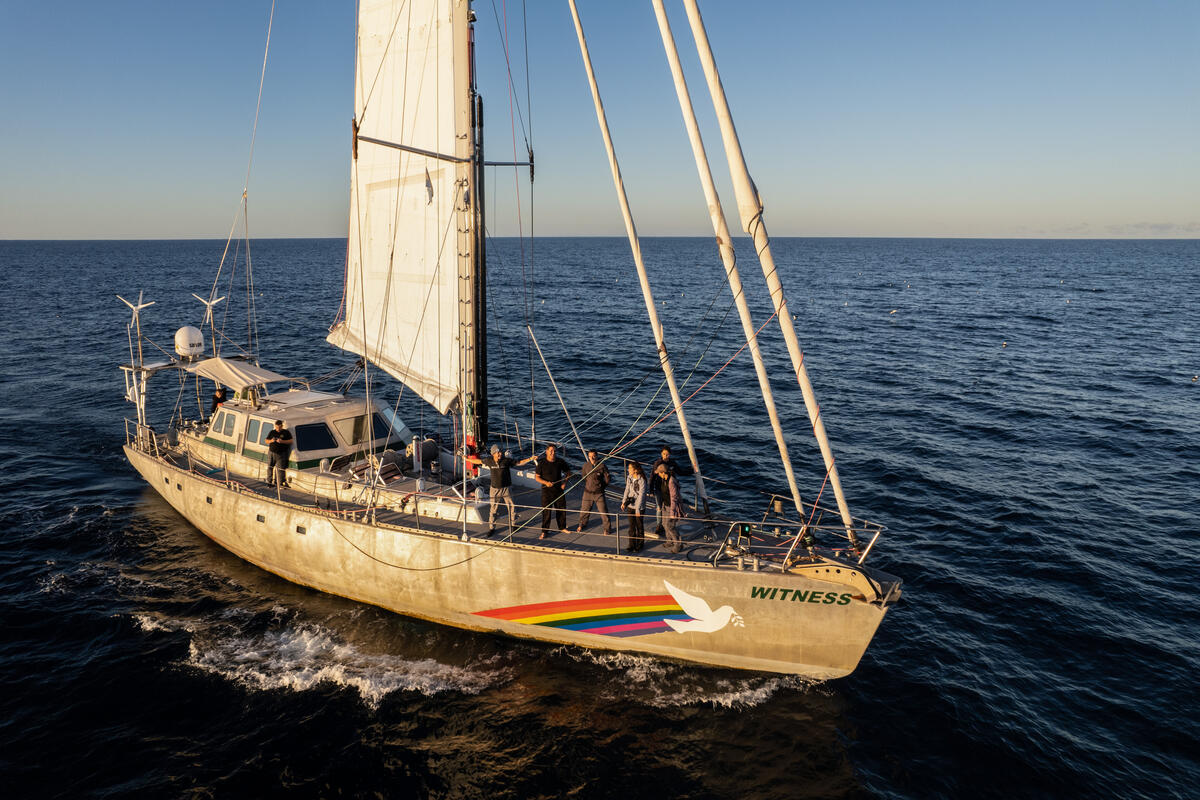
137, 322
208, 318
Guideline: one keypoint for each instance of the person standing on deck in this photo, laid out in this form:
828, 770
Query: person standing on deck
552, 473
279, 443
595, 481
501, 484
674, 506
633, 503
660, 493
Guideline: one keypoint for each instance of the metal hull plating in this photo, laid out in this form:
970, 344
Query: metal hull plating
775, 622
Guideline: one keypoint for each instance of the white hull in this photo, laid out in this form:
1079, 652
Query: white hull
814, 620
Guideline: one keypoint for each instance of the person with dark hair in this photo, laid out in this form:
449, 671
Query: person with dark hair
552, 473
633, 503
595, 481
659, 490
673, 507
279, 444
219, 396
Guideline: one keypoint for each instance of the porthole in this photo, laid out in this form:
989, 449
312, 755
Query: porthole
301, 529
208, 500
261, 518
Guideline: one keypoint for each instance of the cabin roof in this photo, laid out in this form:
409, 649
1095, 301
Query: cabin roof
294, 398
237, 375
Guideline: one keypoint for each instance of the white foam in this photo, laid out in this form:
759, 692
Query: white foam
150, 623
301, 657
663, 684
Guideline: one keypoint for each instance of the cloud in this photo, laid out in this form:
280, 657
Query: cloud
1155, 229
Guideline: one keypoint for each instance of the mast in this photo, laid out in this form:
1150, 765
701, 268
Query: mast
473, 358
480, 196
474, 384
635, 246
751, 211
725, 244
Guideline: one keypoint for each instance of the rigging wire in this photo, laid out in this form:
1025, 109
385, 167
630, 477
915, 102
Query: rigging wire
251, 313
613, 406
243, 216
495, 309
666, 414
515, 115
502, 29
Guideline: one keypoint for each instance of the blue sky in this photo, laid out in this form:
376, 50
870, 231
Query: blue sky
132, 119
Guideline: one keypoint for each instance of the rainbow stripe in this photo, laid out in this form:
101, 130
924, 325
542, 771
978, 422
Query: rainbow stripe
607, 616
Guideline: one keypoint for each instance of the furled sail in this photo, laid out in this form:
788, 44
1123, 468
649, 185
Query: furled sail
408, 304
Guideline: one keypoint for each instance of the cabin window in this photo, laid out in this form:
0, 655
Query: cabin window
262, 439
353, 429
218, 421
315, 436
228, 429
252, 430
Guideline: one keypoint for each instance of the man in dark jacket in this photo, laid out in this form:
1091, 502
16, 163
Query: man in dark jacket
219, 397
279, 443
670, 504
552, 473
595, 481
658, 486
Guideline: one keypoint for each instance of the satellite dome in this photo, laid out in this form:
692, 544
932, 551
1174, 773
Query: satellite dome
189, 342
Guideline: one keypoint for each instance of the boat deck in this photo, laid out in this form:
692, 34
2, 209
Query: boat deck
528, 528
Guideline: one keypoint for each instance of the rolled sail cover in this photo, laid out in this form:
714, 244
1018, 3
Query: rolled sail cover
404, 301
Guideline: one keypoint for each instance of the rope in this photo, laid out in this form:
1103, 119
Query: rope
666, 414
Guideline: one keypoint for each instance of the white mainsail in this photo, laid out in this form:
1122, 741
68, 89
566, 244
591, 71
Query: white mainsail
408, 307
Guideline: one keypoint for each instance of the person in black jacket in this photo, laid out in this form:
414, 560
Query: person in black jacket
552, 473
279, 444
219, 396
659, 489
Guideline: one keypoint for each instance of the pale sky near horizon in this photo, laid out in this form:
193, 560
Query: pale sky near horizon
132, 119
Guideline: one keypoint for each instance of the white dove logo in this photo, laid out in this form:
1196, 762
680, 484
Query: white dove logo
703, 618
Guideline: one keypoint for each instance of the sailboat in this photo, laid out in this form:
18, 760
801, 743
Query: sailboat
372, 510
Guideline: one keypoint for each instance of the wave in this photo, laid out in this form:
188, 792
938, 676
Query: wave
665, 684
307, 655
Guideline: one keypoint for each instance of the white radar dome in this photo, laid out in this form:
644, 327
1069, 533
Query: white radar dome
189, 342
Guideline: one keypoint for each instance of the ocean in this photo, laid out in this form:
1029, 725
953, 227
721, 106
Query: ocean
1022, 415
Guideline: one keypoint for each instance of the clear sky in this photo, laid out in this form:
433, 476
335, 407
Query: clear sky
1056, 118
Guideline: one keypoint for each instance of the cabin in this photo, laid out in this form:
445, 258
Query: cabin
332, 428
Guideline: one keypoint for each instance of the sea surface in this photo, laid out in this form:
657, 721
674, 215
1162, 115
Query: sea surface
1023, 416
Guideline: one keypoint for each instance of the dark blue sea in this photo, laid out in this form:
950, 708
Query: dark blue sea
1023, 416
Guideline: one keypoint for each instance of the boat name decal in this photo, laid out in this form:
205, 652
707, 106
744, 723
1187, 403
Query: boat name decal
797, 596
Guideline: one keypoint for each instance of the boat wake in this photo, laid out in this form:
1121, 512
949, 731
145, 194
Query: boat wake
666, 684
307, 655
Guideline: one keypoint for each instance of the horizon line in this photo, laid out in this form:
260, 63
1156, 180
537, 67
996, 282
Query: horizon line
205, 238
